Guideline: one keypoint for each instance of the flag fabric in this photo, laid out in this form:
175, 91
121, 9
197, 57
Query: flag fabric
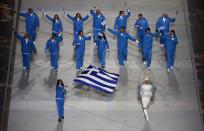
98, 78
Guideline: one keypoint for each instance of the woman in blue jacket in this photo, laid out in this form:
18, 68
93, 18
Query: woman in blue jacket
102, 45
57, 28
77, 22
60, 98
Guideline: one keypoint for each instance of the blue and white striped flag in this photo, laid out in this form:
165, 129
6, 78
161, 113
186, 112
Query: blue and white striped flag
98, 78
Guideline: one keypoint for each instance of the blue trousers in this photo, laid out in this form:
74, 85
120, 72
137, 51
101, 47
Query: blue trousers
140, 35
79, 59
26, 61
147, 55
122, 55
54, 60
102, 56
170, 58
32, 34
60, 107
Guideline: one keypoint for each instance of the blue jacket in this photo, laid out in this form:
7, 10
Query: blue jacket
148, 40
78, 24
26, 48
162, 26
52, 46
32, 22
122, 38
121, 22
56, 25
141, 25
97, 20
60, 92
80, 44
171, 43
102, 44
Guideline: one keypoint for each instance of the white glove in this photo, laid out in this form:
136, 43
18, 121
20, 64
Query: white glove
44, 13
65, 13
89, 34
59, 34
128, 10
106, 27
89, 14
109, 50
137, 41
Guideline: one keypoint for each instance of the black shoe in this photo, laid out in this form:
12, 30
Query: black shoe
103, 66
59, 119
62, 117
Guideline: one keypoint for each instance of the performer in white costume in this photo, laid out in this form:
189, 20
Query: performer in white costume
146, 93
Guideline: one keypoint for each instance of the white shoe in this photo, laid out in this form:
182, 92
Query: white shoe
124, 62
144, 62
24, 68
168, 70
149, 68
172, 67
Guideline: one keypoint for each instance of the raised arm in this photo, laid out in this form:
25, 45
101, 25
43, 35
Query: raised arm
18, 36
92, 12
48, 17
107, 45
112, 31
171, 19
128, 14
85, 18
131, 38
69, 16
87, 37
115, 24
37, 21
22, 14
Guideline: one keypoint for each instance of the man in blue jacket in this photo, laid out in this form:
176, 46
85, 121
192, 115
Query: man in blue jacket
122, 43
141, 25
147, 47
27, 47
77, 22
162, 26
98, 22
171, 42
52, 47
121, 20
32, 23
79, 45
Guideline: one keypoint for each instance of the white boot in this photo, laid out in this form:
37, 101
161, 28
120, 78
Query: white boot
146, 114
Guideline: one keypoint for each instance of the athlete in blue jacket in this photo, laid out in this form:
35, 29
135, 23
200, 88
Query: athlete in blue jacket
121, 20
147, 47
79, 45
27, 47
60, 98
98, 22
52, 46
32, 23
57, 28
102, 45
162, 26
141, 25
122, 43
77, 22
171, 42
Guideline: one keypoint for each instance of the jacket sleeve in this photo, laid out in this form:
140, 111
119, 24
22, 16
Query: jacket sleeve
157, 24
128, 15
85, 18
92, 13
47, 47
131, 38
70, 17
116, 23
22, 14
171, 19
19, 37
61, 27
37, 21
49, 18
113, 31
107, 45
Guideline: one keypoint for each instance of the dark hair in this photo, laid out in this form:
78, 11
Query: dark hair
56, 15
173, 31
148, 29
77, 14
139, 14
30, 9
59, 81
80, 32
120, 12
122, 27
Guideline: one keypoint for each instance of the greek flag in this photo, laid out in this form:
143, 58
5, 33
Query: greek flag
98, 78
